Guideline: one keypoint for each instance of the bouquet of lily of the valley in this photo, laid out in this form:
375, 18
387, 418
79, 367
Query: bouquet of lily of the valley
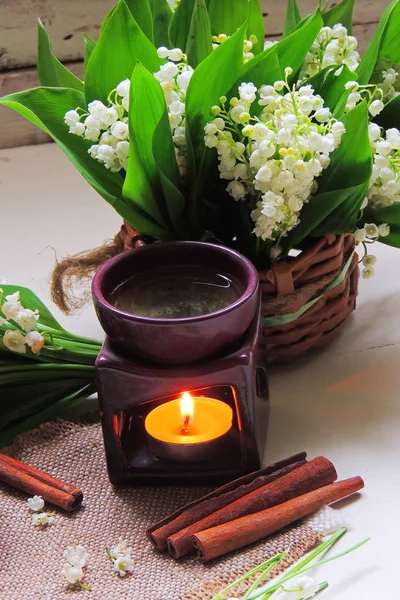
192, 128
44, 369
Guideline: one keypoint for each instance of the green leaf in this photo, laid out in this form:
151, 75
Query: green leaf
256, 25
390, 116
140, 10
226, 19
389, 215
293, 17
162, 15
334, 209
50, 71
384, 43
142, 183
199, 44
179, 26
264, 69
293, 48
345, 209
29, 300
46, 414
45, 108
340, 13
211, 80
89, 46
121, 44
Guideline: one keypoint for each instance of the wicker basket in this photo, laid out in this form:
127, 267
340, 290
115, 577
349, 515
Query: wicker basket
291, 284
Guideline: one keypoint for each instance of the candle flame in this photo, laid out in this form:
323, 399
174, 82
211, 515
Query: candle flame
187, 409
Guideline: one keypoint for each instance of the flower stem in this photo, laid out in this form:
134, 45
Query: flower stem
269, 591
110, 556
274, 561
83, 586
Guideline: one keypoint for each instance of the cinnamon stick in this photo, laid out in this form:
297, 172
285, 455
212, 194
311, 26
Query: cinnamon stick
200, 508
310, 476
236, 534
35, 482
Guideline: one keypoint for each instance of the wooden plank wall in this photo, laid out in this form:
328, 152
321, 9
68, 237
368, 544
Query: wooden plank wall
66, 21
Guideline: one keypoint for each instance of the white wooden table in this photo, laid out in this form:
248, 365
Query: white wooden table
343, 402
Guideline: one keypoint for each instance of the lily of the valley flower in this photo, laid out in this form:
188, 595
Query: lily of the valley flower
76, 556
72, 574
27, 319
123, 565
121, 549
11, 306
35, 341
300, 588
14, 341
72, 570
262, 157
120, 555
42, 519
36, 503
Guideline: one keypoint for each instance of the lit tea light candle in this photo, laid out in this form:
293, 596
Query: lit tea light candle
189, 429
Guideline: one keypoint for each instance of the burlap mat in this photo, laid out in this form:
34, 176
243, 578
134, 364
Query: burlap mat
32, 558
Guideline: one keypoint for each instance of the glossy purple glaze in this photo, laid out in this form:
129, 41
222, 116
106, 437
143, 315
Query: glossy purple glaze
175, 341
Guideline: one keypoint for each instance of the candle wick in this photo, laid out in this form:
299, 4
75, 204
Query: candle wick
185, 428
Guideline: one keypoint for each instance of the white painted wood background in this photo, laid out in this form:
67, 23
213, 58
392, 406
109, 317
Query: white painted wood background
67, 21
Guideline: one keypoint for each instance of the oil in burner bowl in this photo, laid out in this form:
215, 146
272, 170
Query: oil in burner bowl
182, 321
176, 293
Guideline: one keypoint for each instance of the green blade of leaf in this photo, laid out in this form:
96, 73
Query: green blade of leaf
45, 108
89, 46
340, 13
142, 183
8, 435
162, 15
384, 43
343, 212
293, 48
176, 205
199, 44
209, 82
293, 17
179, 26
264, 69
106, 68
390, 116
350, 163
225, 19
141, 12
256, 26
50, 70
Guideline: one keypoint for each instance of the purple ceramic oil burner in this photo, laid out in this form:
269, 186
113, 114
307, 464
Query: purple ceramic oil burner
181, 378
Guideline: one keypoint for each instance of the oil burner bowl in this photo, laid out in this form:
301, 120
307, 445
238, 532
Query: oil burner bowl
181, 340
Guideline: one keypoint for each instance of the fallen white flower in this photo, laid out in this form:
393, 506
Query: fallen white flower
300, 587
121, 549
76, 556
36, 503
42, 519
71, 573
123, 564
